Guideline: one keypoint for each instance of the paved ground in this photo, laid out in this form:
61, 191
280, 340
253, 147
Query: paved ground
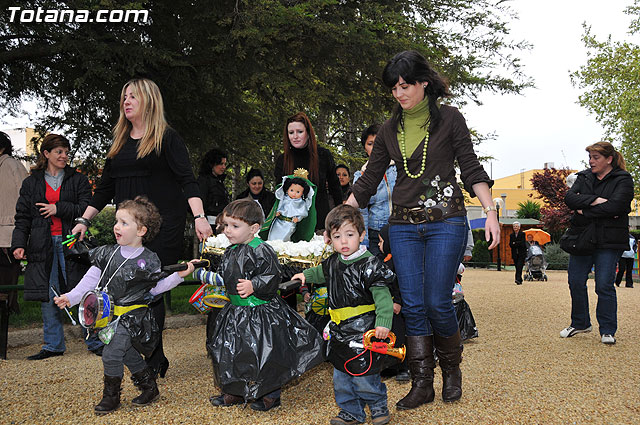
519, 371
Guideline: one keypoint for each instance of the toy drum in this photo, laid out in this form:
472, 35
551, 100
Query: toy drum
216, 296
96, 309
197, 298
319, 302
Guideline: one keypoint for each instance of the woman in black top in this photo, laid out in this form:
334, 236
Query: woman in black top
601, 198
344, 177
149, 158
301, 151
257, 191
211, 181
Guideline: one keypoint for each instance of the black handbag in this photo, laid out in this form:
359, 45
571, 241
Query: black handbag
579, 240
79, 252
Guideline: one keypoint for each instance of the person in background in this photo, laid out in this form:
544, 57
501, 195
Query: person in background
301, 150
601, 199
257, 191
518, 245
625, 263
50, 199
429, 228
149, 158
211, 182
12, 173
376, 213
344, 177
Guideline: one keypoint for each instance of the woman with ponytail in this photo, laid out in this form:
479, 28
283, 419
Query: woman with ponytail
601, 199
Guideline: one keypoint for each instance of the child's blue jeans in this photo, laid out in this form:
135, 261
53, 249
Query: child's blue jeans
354, 392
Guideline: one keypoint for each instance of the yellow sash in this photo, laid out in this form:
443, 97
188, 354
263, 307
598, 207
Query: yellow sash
118, 311
344, 313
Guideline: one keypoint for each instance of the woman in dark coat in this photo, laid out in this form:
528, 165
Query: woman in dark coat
149, 158
257, 191
601, 198
211, 181
301, 150
50, 198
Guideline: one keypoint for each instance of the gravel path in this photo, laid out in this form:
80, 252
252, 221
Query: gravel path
519, 371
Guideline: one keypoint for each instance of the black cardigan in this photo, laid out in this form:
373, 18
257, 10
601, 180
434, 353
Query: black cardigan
327, 182
611, 217
214, 193
166, 179
33, 231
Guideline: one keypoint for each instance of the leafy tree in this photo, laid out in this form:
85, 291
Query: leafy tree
552, 187
231, 70
611, 91
528, 209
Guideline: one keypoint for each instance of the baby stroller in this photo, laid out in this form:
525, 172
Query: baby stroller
536, 263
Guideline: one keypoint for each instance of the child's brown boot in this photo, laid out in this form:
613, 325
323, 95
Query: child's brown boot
110, 395
146, 382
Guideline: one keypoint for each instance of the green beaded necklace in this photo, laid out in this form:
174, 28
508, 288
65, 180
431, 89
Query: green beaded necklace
404, 153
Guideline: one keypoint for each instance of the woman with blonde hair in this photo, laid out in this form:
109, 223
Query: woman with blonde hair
149, 158
598, 234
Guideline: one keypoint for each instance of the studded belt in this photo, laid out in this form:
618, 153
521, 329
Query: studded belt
419, 215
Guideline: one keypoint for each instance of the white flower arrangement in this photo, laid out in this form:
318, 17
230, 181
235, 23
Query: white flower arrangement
297, 250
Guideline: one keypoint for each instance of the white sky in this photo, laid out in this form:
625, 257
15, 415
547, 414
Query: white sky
545, 124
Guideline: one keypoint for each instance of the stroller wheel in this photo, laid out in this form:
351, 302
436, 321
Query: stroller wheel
545, 278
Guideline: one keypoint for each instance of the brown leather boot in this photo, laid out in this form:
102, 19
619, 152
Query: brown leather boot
146, 382
110, 395
449, 351
421, 364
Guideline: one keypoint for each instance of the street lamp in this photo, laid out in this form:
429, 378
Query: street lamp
499, 202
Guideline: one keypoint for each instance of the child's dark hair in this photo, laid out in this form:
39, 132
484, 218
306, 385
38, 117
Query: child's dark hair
246, 210
145, 213
344, 214
296, 180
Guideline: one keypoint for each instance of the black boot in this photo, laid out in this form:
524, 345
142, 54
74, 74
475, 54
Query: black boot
421, 364
449, 351
110, 395
146, 382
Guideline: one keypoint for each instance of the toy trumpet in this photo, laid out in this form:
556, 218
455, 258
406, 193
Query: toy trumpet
380, 346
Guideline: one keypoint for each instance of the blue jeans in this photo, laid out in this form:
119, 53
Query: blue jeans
52, 317
354, 392
426, 258
604, 261
51, 314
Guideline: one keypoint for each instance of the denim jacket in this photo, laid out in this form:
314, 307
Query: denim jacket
376, 215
